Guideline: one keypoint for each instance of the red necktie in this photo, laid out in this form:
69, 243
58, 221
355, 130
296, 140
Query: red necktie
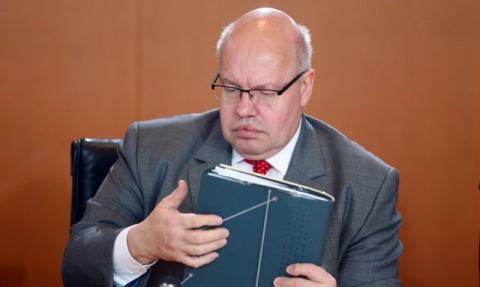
259, 166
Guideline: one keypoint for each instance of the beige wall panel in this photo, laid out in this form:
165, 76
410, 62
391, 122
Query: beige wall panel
66, 71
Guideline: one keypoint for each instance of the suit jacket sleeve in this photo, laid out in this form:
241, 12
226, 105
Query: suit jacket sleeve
117, 204
372, 257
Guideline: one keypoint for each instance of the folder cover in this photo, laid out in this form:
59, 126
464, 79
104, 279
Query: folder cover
272, 223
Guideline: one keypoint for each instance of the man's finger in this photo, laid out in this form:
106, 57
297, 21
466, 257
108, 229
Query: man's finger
174, 199
198, 261
294, 282
200, 220
205, 236
311, 271
198, 250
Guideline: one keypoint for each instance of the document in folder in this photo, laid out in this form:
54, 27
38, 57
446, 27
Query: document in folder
272, 223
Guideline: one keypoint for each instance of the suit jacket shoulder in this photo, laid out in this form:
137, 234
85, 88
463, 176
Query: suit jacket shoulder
165, 150
181, 133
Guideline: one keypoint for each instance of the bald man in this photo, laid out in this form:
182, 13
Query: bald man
140, 227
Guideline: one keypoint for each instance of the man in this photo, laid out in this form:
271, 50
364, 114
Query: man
139, 227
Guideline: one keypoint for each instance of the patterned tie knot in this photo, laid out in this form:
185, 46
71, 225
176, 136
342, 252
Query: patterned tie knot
259, 166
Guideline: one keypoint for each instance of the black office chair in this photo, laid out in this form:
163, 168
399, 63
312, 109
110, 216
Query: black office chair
91, 160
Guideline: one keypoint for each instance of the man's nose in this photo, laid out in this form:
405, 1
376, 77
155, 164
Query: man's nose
245, 107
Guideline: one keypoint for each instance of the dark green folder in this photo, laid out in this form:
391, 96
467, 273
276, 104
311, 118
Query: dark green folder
270, 229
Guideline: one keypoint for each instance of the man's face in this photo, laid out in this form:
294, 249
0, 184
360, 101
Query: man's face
260, 131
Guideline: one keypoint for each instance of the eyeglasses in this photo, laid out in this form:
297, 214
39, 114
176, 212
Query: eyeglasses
232, 95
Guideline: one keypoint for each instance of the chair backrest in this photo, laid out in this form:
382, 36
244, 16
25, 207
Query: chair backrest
91, 160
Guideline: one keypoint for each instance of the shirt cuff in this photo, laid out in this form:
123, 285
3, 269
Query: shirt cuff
125, 267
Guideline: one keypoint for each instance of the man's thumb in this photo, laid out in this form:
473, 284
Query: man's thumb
174, 199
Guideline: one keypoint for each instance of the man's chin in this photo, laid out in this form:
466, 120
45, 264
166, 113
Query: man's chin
246, 147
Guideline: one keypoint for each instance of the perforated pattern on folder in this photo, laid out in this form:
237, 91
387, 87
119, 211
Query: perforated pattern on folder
297, 236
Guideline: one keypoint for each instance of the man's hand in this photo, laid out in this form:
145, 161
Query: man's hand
315, 275
173, 236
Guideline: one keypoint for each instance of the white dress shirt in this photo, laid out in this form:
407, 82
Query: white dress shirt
127, 269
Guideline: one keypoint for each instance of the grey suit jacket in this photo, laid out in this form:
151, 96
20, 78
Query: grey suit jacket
363, 244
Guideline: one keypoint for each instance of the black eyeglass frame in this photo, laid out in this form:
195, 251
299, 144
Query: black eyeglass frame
279, 92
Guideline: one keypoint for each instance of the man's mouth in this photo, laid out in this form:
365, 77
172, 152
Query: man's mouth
246, 131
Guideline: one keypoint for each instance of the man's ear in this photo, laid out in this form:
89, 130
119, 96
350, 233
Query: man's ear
306, 87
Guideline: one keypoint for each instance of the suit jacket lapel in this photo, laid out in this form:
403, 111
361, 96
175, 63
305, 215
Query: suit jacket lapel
307, 165
215, 150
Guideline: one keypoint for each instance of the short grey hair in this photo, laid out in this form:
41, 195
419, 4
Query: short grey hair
304, 49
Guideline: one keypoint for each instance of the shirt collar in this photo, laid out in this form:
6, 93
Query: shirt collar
279, 161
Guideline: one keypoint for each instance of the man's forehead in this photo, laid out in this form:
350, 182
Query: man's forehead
260, 48
241, 56
260, 38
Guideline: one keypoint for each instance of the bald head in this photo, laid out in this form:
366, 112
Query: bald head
269, 27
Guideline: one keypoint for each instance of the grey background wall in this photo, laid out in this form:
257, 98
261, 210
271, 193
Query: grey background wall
400, 77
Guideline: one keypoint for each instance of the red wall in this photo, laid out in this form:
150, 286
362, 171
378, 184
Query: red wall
400, 77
